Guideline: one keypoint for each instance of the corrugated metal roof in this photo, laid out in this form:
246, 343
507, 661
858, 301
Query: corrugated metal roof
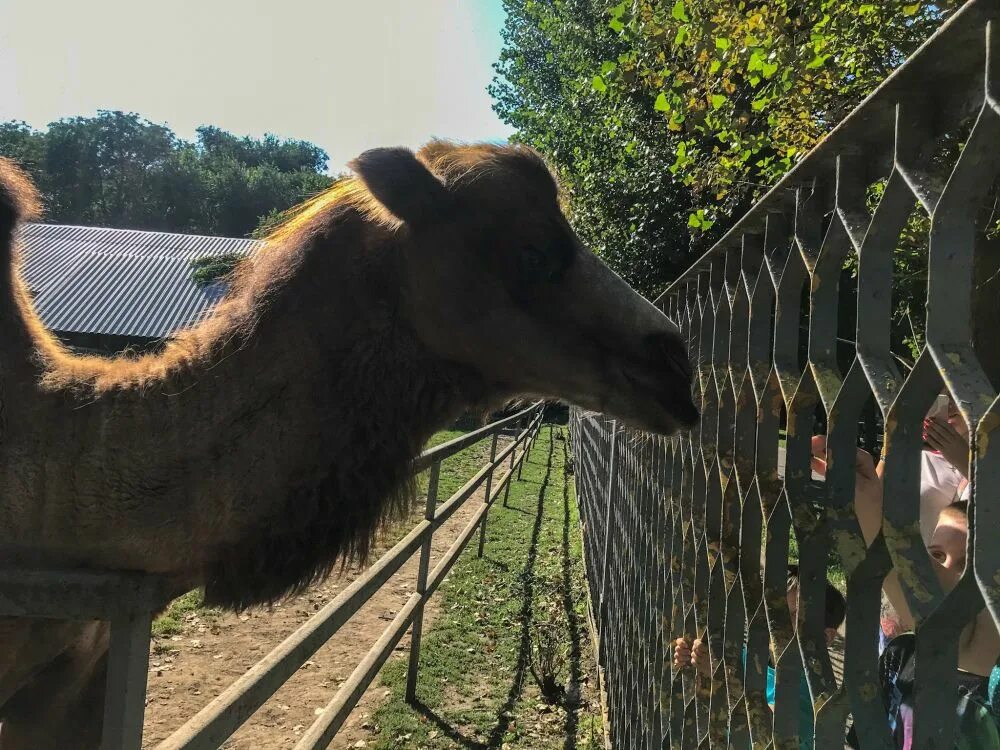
120, 281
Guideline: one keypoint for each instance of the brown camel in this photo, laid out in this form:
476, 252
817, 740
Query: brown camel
274, 439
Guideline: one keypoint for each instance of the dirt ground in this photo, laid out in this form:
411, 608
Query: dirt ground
187, 670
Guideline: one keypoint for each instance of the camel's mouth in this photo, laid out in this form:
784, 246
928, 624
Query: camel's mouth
662, 402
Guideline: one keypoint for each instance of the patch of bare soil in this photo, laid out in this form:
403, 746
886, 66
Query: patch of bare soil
187, 670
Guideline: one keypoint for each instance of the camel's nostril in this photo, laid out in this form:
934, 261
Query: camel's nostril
670, 347
688, 414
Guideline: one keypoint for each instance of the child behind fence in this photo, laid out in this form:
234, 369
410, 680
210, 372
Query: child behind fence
687, 653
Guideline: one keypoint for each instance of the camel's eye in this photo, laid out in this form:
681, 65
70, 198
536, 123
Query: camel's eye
535, 265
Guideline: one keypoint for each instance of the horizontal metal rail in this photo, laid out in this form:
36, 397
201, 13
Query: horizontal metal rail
691, 537
446, 450
77, 594
449, 558
322, 731
226, 713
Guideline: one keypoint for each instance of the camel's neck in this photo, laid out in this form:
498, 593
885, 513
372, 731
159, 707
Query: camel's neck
18, 323
269, 451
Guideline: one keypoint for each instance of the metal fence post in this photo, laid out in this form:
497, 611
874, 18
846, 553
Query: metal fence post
608, 520
489, 488
425, 559
524, 450
510, 469
128, 666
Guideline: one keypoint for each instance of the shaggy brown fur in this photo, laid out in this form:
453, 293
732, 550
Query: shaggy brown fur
274, 439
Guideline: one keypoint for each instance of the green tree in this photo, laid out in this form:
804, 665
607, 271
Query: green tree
666, 119
612, 152
118, 169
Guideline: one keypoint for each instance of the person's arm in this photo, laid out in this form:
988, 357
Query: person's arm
868, 509
867, 487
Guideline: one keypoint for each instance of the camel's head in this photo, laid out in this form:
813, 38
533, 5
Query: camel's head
495, 279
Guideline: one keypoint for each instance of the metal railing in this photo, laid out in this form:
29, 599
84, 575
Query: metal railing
211, 726
127, 601
690, 536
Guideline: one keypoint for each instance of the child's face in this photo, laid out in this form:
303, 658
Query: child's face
947, 547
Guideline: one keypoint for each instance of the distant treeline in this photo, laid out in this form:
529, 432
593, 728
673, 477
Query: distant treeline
119, 170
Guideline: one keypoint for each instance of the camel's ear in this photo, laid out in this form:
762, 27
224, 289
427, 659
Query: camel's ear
401, 183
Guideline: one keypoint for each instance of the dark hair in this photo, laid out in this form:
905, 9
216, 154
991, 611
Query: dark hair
836, 606
959, 506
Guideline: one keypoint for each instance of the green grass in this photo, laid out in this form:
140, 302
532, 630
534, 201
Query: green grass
171, 622
477, 688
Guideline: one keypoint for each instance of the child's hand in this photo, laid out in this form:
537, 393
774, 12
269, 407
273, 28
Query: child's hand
699, 657
686, 654
682, 653
944, 438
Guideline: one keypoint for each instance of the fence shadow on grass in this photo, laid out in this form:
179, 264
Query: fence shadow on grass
572, 699
526, 616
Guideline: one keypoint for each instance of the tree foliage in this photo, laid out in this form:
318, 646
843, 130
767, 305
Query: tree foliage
117, 169
612, 150
667, 118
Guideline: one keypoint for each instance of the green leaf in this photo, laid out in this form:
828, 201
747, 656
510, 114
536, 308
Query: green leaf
661, 104
817, 61
758, 104
769, 69
678, 11
754, 80
714, 67
616, 25
694, 221
864, 10
718, 100
722, 43
910, 10
617, 11
606, 67
598, 84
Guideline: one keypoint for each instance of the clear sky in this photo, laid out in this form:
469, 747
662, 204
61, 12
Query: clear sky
345, 74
